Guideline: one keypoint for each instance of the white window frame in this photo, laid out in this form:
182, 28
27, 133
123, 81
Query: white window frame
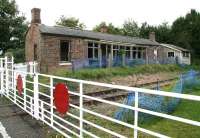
170, 56
93, 47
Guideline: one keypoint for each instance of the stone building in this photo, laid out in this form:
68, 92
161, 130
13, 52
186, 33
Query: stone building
56, 46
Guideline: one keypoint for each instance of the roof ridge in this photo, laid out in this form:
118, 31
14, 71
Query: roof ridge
60, 26
89, 34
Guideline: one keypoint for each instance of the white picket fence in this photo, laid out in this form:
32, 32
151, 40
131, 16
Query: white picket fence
42, 110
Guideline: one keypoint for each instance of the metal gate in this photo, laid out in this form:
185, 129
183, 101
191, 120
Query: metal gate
37, 100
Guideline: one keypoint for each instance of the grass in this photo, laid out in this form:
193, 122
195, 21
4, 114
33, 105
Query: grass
186, 109
95, 74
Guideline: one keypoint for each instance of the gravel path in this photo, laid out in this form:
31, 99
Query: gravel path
19, 126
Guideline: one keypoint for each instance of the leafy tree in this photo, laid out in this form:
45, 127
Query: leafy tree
162, 32
130, 28
186, 30
70, 22
18, 54
111, 28
12, 26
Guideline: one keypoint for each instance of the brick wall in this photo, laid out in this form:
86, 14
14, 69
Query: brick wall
50, 52
32, 38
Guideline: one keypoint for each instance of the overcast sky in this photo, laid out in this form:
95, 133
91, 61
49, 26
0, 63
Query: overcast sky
92, 12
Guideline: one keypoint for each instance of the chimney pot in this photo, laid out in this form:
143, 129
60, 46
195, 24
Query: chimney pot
152, 36
104, 29
35, 12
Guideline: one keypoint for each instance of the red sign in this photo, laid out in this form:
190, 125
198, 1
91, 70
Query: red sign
19, 84
61, 98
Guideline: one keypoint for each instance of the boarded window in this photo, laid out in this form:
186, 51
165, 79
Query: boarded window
64, 51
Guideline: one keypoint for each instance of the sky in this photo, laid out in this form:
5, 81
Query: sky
92, 12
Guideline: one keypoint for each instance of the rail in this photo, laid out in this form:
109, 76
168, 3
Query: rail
76, 122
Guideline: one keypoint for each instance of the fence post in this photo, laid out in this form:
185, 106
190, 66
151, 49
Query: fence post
51, 93
2, 71
136, 115
6, 72
24, 92
15, 100
36, 97
81, 109
12, 72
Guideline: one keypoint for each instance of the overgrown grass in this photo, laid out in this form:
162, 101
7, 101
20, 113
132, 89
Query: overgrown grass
119, 71
186, 109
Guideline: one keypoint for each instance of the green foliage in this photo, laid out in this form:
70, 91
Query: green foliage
111, 28
12, 26
18, 54
130, 28
70, 22
162, 32
186, 30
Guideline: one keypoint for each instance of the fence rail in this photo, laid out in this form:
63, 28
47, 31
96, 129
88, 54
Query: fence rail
31, 102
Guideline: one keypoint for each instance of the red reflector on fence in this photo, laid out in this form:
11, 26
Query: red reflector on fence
19, 84
61, 98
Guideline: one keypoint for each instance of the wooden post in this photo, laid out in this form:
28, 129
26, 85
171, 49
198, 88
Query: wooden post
123, 59
100, 55
146, 56
109, 60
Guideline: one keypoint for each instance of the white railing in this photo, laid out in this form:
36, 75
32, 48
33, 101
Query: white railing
40, 105
26, 67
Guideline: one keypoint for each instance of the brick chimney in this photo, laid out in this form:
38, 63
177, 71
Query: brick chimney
104, 29
35, 12
152, 36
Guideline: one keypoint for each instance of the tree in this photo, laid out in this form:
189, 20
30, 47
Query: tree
70, 22
130, 28
163, 32
12, 26
186, 30
111, 28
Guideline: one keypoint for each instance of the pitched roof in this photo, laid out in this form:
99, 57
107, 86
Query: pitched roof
174, 47
66, 31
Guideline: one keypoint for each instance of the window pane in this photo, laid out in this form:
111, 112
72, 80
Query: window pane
139, 54
127, 48
134, 55
64, 51
90, 52
128, 55
90, 44
170, 54
115, 47
96, 53
96, 45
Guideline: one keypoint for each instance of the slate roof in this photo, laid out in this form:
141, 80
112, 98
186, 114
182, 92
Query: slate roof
175, 47
66, 31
